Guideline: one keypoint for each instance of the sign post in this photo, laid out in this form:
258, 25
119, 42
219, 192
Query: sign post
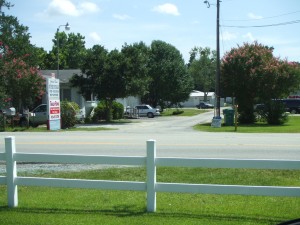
53, 99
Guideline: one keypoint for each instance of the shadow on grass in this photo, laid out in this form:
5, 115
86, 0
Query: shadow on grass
126, 210
249, 128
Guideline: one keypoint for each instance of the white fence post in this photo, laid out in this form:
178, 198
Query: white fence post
11, 172
151, 175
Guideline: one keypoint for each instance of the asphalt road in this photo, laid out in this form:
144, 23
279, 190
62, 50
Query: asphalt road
174, 137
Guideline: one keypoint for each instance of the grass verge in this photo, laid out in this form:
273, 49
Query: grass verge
183, 112
52, 206
44, 129
78, 128
292, 126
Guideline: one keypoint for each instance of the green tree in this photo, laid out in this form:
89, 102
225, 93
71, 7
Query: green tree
17, 37
75, 50
20, 81
115, 74
170, 83
251, 73
92, 69
51, 58
136, 69
112, 84
71, 51
202, 67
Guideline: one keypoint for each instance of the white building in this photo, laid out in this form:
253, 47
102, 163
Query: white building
67, 92
198, 96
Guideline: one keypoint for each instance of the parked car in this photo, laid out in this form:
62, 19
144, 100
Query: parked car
147, 110
37, 117
291, 105
203, 105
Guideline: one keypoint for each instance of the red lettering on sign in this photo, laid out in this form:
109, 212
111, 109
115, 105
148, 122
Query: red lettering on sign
54, 103
54, 110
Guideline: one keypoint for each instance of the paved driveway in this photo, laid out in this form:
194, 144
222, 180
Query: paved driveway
174, 136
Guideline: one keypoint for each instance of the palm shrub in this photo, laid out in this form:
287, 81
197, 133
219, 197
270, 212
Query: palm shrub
68, 114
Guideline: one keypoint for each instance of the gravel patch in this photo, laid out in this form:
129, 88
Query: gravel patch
38, 167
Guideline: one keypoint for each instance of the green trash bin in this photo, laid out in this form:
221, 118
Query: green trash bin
228, 117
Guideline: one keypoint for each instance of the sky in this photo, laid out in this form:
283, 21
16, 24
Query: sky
184, 24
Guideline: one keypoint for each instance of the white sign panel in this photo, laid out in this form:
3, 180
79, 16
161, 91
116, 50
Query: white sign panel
54, 110
53, 103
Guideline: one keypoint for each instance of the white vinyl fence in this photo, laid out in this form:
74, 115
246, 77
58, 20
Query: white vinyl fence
150, 185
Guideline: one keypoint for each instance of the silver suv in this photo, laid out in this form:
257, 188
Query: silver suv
147, 110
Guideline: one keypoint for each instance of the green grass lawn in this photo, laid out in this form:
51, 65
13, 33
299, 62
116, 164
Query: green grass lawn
63, 206
86, 128
183, 112
292, 126
44, 129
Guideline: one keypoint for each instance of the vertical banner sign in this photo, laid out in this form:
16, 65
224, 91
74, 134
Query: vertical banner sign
53, 104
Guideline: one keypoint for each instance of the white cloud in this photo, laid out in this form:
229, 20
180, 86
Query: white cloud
88, 7
249, 36
121, 17
62, 7
167, 8
66, 7
95, 36
227, 36
253, 16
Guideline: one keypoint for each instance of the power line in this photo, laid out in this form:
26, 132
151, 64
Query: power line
267, 25
269, 17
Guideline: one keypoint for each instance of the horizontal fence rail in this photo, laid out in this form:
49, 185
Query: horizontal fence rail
75, 183
229, 163
150, 186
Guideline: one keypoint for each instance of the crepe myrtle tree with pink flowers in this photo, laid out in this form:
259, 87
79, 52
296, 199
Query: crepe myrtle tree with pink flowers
20, 83
251, 74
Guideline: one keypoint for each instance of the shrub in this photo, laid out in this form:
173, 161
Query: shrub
100, 112
177, 112
2, 121
68, 114
273, 113
117, 110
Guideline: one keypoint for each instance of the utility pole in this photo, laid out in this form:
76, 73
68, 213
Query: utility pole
217, 120
67, 27
217, 89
